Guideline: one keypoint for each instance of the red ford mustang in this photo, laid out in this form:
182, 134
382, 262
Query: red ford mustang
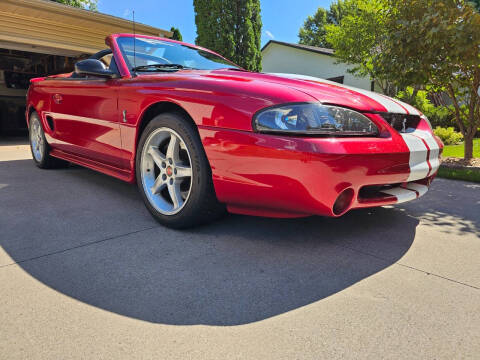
198, 134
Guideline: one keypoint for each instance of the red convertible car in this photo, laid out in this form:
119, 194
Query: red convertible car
199, 134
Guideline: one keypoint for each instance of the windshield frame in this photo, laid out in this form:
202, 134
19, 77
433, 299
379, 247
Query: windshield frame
127, 68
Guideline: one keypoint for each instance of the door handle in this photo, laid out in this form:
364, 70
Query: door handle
57, 98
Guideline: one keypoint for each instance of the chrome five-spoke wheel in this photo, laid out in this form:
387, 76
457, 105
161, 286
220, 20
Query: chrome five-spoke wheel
166, 171
36, 139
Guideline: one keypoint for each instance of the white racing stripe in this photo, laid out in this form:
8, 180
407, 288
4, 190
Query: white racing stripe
402, 195
420, 188
419, 168
409, 108
389, 104
411, 192
434, 157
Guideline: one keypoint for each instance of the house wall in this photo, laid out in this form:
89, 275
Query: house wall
279, 58
48, 27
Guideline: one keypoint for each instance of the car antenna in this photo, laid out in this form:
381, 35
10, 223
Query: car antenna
134, 52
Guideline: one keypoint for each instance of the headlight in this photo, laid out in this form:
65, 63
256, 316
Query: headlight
313, 119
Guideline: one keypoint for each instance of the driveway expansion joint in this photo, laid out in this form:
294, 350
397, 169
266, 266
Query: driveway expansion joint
79, 246
406, 266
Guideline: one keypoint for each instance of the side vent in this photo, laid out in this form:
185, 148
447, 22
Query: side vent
50, 123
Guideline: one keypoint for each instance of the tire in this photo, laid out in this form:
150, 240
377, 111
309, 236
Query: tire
39, 146
173, 173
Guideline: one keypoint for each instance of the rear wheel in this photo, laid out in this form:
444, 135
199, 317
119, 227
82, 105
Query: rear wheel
39, 146
173, 173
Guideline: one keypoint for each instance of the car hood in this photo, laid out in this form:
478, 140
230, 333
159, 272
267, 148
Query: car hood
324, 91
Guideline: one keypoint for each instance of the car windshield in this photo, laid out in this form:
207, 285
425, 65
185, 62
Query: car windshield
152, 55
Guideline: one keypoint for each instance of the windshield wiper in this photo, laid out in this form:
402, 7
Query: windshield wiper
160, 67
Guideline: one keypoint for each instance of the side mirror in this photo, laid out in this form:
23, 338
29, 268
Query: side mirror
93, 67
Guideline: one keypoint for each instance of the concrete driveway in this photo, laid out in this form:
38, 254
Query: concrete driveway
85, 272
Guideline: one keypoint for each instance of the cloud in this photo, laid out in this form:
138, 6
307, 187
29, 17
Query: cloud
269, 34
127, 13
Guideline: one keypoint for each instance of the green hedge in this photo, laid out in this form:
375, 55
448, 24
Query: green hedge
459, 173
448, 135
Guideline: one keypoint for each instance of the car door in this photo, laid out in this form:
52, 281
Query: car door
86, 119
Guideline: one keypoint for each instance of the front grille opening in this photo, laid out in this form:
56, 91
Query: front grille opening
401, 122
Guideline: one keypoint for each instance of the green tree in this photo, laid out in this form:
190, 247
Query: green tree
437, 43
83, 4
232, 28
177, 35
360, 39
313, 31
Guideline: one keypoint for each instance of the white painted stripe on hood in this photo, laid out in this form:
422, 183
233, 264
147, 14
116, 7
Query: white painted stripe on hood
410, 108
402, 195
389, 104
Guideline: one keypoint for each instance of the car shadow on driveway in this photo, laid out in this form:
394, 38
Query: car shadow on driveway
89, 237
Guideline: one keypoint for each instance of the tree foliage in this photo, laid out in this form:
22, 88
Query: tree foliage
360, 40
232, 28
313, 31
177, 35
437, 43
83, 4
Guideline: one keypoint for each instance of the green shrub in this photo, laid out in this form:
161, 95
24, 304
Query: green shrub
448, 135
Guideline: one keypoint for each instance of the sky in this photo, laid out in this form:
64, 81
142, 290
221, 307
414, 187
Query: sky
281, 18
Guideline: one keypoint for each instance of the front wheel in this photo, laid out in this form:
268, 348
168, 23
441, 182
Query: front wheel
173, 173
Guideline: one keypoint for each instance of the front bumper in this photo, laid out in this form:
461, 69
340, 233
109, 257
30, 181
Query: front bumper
284, 176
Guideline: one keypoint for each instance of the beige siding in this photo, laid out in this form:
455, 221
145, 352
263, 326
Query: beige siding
52, 28
279, 58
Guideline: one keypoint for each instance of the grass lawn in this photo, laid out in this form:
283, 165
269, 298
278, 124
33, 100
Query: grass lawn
457, 150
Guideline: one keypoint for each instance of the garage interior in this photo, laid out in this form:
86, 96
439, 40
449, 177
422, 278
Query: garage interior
16, 70
41, 37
